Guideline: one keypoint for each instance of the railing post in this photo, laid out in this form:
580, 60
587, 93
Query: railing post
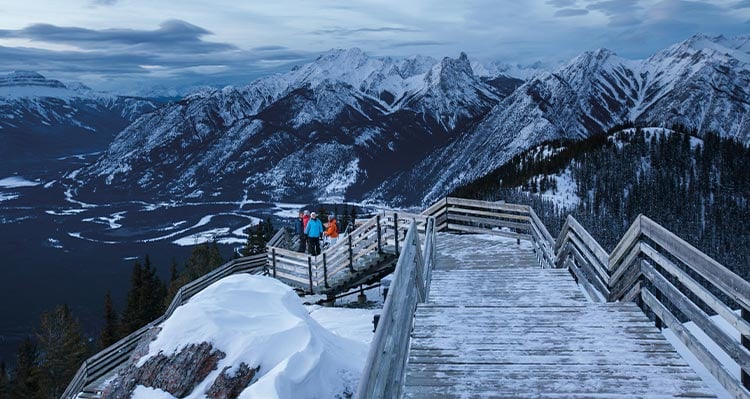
309, 274
325, 271
746, 343
380, 245
351, 255
273, 258
395, 230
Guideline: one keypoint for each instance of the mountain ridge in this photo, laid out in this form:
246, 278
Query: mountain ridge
350, 126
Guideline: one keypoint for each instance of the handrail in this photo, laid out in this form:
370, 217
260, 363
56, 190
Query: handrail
386, 360
672, 281
332, 269
118, 353
499, 218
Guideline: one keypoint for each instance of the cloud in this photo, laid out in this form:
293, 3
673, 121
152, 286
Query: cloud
417, 43
172, 35
352, 31
117, 58
561, 3
741, 4
571, 12
620, 12
104, 2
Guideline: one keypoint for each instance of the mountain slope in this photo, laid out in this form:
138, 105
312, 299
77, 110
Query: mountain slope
695, 187
332, 128
357, 127
42, 118
701, 84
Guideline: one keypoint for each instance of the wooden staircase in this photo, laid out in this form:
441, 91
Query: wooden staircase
497, 325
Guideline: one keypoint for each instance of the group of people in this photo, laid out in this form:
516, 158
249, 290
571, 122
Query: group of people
311, 230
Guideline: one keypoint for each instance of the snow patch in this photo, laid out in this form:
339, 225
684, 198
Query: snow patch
16, 182
8, 196
262, 322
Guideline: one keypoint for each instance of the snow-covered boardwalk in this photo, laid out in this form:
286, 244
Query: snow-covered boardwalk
496, 325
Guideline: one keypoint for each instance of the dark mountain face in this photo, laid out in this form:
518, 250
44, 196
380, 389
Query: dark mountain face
42, 118
405, 132
315, 132
701, 84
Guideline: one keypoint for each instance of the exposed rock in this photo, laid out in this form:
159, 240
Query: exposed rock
230, 386
177, 374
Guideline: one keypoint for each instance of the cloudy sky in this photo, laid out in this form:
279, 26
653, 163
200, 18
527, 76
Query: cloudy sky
134, 45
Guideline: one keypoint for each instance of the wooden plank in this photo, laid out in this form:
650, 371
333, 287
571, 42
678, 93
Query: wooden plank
493, 214
591, 244
384, 369
622, 269
469, 229
629, 239
487, 205
583, 281
484, 221
591, 275
436, 208
701, 292
535, 220
694, 313
595, 261
714, 366
731, 284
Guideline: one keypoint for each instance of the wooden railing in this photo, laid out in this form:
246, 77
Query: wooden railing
384, 370
117, 354
674, 283
473, 216
354, 253
671, 280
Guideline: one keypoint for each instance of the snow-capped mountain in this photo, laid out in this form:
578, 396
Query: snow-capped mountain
701, 83
45, 117
331, 128
407, 131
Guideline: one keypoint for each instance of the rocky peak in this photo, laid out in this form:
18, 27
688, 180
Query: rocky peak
28, 78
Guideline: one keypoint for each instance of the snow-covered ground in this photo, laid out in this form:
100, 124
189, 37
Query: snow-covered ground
16, 182
564, 195
260, 321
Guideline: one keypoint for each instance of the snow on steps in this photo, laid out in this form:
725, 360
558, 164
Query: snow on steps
496, 325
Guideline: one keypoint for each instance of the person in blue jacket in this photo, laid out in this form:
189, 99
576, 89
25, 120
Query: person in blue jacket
314, 231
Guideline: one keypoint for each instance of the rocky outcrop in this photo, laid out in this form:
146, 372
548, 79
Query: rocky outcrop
227, 386
177, 374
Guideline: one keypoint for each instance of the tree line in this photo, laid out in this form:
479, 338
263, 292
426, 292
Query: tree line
697, 188
47, 361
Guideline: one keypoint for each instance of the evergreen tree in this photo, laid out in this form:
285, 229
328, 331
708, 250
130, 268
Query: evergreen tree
152, 294
131, 316
62, 348
203, 259
4, 382
256, 240
111, 331
25, 377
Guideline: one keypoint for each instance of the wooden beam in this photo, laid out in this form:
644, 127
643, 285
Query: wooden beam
714, 366
731, 284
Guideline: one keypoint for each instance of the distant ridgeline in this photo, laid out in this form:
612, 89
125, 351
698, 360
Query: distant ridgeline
697, 187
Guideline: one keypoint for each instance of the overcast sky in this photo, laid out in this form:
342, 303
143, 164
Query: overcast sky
126, 44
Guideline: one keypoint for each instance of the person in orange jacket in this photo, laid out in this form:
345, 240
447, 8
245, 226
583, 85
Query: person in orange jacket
332, 230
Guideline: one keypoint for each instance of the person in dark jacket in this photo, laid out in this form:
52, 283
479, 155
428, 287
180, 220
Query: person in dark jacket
314, 231
300, 230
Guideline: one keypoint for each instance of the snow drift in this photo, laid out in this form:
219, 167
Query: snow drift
256, 324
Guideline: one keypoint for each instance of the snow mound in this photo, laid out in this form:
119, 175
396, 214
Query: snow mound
260, 321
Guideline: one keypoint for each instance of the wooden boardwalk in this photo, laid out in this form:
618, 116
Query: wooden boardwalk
496, 325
